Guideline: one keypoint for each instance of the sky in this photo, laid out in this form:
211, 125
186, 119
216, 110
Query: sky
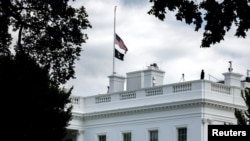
173, 45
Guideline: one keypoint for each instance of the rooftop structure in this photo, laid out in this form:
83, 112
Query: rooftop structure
152, 111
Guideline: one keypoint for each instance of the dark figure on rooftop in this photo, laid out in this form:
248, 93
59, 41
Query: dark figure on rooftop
202, 74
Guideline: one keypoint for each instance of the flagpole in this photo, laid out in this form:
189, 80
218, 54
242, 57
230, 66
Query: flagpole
114, 41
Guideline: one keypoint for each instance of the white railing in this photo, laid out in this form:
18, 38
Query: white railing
128, 95
75, 100
154, 91
183, 87
164, 93
103, 99
220, 88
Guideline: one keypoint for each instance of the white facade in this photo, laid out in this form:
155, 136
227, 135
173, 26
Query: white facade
153, 106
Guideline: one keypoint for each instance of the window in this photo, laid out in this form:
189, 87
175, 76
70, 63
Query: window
153, 135
126, 136
102, 138
182, 134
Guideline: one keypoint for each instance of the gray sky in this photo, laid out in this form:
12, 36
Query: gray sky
173, 45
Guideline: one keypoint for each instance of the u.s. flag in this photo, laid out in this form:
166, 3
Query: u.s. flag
120, 43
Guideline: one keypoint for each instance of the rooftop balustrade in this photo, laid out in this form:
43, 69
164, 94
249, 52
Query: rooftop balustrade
176, 92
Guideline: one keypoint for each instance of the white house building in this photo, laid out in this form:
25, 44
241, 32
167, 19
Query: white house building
148, 110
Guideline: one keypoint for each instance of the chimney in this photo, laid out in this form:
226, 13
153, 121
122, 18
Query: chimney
152, 76
135, 80
232, 79
116, 83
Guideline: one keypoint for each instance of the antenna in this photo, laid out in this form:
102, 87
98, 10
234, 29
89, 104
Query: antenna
182, 78
230, 69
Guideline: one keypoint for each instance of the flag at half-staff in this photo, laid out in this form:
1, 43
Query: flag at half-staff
120, 43
117, 52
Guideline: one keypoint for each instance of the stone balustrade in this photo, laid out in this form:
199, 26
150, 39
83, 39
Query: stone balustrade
198, 89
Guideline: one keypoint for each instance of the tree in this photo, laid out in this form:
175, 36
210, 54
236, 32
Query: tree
49, 31
49, 35
217, 16
33, 107
243, 117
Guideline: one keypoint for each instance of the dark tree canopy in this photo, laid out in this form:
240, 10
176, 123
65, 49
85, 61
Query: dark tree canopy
35, 108
49, 31
217, 16
243, 117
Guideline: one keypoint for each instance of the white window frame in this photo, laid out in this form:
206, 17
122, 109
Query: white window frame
101, 134
153, 129
126, 132
177, 132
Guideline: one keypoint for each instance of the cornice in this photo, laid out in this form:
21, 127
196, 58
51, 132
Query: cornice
77, 116
137, 110
156, 108
222, 105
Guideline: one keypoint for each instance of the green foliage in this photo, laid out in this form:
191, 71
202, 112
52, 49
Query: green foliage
217, 16
49, 31
33, 107
243, 117
35, 62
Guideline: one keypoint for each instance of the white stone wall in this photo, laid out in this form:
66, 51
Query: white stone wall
190, 104
165, 121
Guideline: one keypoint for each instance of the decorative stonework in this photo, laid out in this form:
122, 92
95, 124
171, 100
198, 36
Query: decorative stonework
75, 100
79, 117
220, 88
128, 95
183, 87
154, 91
156, 108
103, 99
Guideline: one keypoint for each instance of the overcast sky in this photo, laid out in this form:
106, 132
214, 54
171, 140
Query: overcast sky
173, 45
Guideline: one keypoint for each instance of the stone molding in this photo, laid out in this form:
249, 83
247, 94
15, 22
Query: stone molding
156, 108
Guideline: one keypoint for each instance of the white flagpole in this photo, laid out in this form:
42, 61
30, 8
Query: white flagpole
114, 42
